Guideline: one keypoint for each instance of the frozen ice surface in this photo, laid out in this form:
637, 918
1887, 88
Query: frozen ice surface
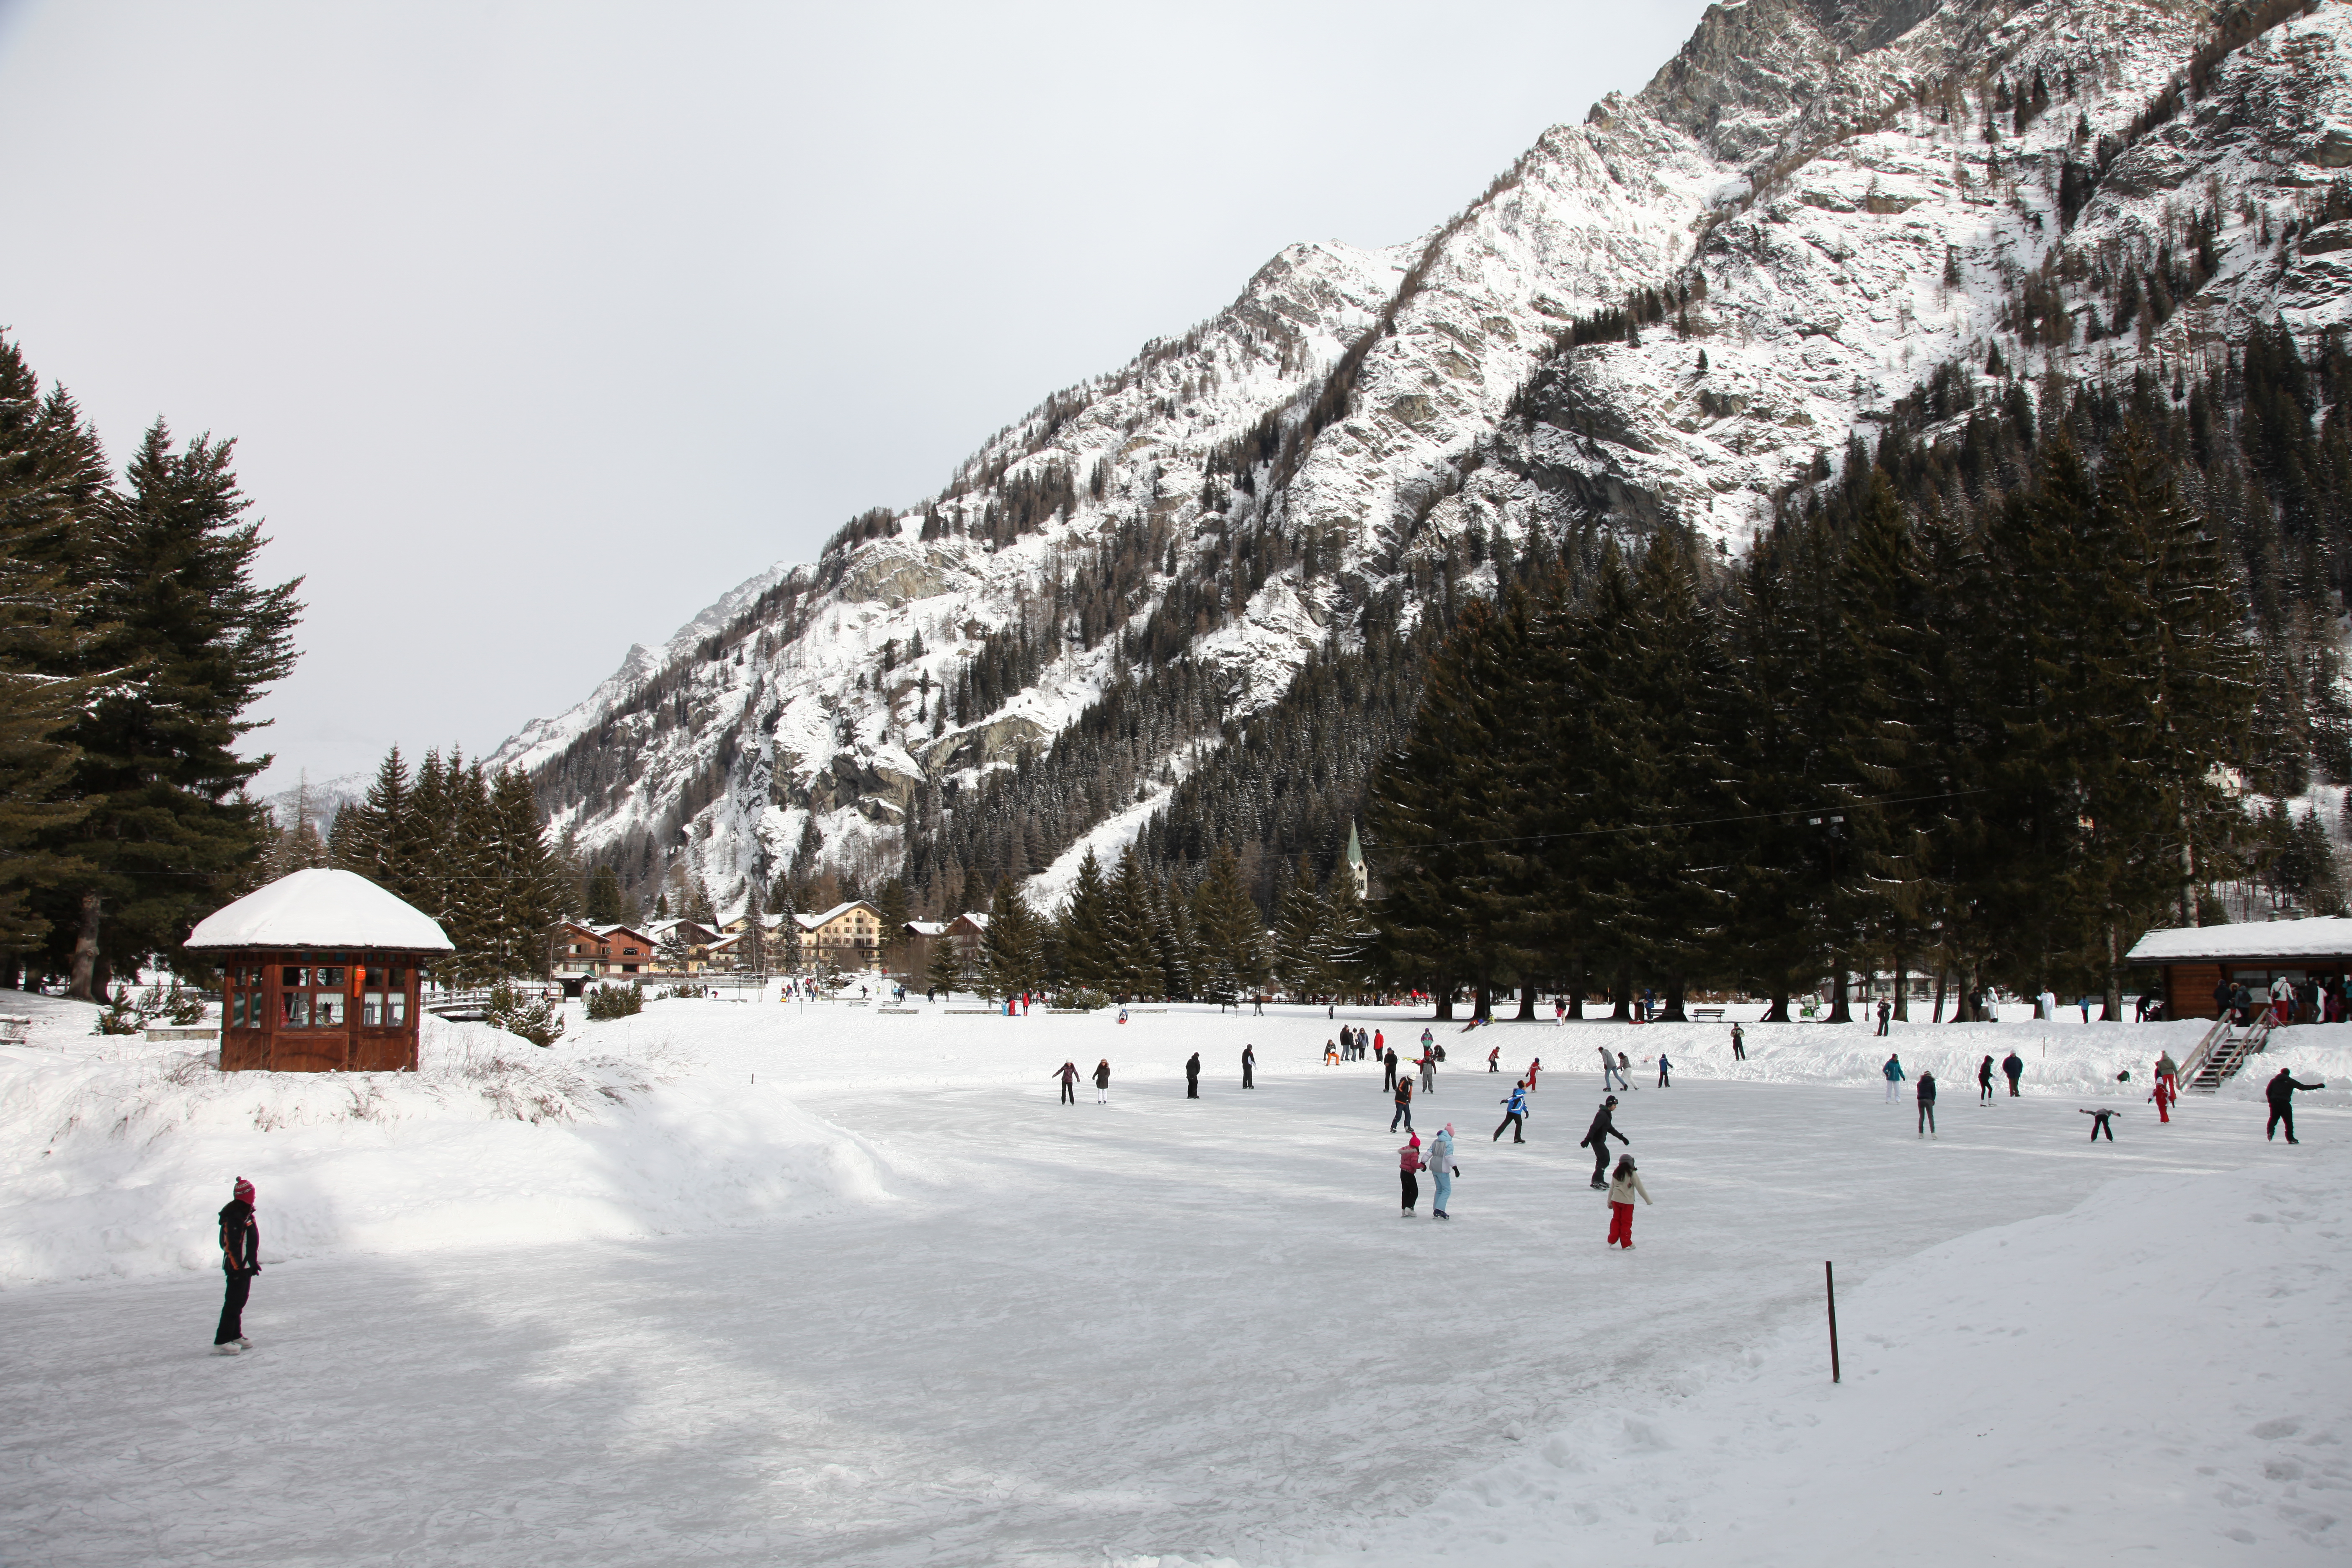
1191, 1331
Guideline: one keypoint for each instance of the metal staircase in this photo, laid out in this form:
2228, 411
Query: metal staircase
2222, 1051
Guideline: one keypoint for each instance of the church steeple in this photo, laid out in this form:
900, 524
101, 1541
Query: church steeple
1356, 864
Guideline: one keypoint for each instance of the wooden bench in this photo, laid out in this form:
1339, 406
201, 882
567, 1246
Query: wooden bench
1708, 1015
15, 1030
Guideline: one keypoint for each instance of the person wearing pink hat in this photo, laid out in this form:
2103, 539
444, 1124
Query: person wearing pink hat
1408, 1161
240, 1244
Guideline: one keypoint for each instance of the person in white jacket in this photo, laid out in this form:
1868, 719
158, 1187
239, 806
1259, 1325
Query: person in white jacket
1442, 1170
1624, 1184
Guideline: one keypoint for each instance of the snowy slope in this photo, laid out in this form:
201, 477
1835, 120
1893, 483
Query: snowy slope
1837, 188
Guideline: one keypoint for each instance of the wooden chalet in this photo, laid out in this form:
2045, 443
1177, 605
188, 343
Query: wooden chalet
322, 971
2191, 960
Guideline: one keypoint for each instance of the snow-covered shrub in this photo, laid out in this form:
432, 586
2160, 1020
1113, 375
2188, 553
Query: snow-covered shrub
120, 1017
615, 1002
532, 1017
1085, 996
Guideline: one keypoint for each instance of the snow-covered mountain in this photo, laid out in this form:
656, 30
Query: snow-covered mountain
1830, 202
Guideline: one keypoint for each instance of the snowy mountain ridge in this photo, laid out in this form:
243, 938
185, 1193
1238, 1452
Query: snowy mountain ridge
1837, 200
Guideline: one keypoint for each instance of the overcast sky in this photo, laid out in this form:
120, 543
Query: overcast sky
538, 327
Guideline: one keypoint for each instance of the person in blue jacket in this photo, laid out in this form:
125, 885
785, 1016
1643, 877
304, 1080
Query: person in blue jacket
1515, 1114
1893, 1071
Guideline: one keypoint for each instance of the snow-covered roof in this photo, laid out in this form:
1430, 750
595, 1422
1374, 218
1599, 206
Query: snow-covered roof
321, 908
810, 922
927, 928
2324, 936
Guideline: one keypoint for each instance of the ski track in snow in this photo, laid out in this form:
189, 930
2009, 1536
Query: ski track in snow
1175, 1332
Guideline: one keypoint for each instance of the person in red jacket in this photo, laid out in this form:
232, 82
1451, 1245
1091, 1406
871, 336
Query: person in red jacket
1408, 1161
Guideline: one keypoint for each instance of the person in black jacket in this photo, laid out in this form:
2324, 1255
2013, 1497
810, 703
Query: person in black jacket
2014, 1066
1192, 1077
1388, 1067
1927, 1103
240, 1244
1249, 1066
1984, 1080
1597, 1136
2280, 1092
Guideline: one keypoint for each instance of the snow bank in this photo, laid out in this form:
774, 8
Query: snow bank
2157, 1373
115, 1152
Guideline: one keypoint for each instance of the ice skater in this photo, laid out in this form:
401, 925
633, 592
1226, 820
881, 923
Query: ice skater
1428, 1064
1403, 1096
2164, 1096
1408, 1161
1597, 1136
1442, 1172
2100, 1120
2014, 1066
1249, 1066
1927, 1105
1984, 1081
1665, 1071
1534, 1067
1102, 1082
1893, 1073
1495, 1059
1609, 1071
1739, 1044
1515, 1115
1387, 1070
1192, 1077
1624, 1068
1069, 1073
1885, 1011
240, 1244
2279, 1091
1623, 1186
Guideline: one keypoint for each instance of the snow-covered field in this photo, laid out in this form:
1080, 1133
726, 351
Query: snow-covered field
744, 1282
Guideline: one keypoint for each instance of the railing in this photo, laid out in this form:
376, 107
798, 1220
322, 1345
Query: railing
2220, 1055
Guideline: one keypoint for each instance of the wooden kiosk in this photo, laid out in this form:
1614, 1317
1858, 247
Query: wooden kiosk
322, 970
2193, 960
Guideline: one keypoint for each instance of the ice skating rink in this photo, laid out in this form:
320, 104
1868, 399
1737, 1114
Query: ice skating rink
966, 1324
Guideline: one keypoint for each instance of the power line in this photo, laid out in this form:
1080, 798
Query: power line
1834, 806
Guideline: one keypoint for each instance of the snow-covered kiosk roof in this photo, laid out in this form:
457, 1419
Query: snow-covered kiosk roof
2322, 936
323, 908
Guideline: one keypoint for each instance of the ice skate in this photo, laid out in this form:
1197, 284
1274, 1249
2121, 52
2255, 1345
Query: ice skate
228, 1347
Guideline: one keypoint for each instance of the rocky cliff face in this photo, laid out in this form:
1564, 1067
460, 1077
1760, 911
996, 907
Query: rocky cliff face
1831, 202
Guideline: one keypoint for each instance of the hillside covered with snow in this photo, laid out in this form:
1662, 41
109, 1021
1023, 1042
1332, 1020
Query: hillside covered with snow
1677, 313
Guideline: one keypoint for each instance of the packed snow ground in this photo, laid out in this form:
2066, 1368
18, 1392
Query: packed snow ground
827, 1285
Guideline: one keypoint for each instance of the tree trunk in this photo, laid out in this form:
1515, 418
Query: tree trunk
1673, 1013
1578, 980
85, 948
1444, 991
1839, 1011
1621, 997
1526, 1014
2112, 1011
1943, 983
1778, 1013
1483, 1006
1902, 988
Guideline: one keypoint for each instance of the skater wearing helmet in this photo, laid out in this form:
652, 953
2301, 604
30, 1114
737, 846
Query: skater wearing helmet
240, 1244
1597, 1136
1622, 1186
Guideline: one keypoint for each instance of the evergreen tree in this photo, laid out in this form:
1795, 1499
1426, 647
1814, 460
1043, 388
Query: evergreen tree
1012, 952
528, 882
946, 972
170, 832
892, 912
604, 896
1230, 933
1133, 964
1299, 953
1085, 934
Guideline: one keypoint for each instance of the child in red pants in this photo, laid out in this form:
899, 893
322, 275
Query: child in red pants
1623, 1183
